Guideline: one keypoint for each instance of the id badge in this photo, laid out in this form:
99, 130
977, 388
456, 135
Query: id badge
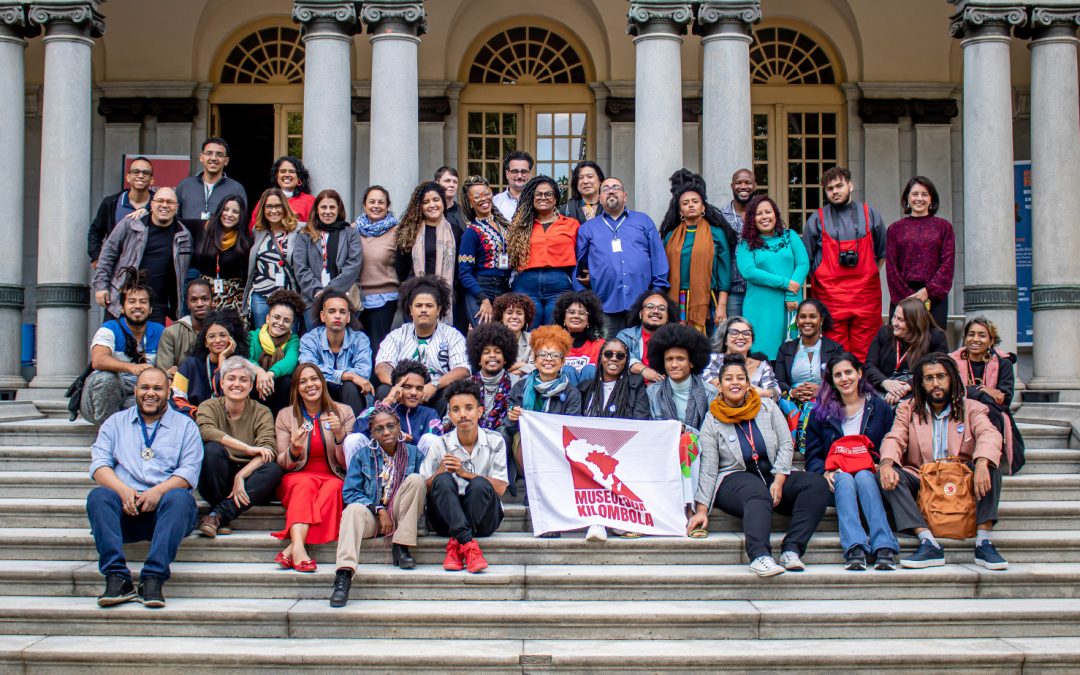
503, 261
205, 215
219, 287
279, 277
325, 278
616, 245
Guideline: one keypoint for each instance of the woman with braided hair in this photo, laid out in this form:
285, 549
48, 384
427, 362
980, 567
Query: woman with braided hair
614, 392
383, 495
542, 245
483, 260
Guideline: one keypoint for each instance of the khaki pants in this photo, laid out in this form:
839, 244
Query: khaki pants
358, 523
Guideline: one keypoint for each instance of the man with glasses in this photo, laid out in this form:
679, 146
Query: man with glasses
155, 243
201, 195
517, 167
650, 311
115, 207
620, 256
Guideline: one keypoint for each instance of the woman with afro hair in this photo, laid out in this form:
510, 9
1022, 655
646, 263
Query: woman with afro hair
581, 314
516, 311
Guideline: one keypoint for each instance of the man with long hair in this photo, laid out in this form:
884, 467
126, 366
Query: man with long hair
937, 423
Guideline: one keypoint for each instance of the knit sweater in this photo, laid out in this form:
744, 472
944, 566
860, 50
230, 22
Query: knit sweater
920, 253
377, 275
255, 426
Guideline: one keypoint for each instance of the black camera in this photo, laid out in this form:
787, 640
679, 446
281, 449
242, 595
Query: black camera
849, 258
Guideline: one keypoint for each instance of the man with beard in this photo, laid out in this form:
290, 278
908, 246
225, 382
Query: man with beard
179, 339
937, 423
146, 462
743, 187
341, 353
651, 310
121, 350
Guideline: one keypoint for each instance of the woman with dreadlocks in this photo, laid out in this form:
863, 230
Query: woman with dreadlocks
542, 245
700, 266
383, 495
614, 392
483, 260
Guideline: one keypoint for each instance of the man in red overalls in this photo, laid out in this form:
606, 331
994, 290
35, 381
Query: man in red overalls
845, 241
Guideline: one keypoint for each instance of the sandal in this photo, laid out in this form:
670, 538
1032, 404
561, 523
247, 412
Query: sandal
698, 533
631, 535
285, 561
306, 566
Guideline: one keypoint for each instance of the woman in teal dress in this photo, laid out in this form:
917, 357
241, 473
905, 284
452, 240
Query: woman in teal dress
774, 263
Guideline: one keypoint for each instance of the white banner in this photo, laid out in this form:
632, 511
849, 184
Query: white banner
585, 471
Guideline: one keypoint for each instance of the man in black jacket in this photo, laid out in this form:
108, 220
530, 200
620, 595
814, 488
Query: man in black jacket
140, 176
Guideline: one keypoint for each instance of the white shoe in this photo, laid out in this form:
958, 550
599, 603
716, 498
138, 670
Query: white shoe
791, 561
765, 566
596, 533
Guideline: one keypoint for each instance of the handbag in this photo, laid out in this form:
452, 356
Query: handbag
947, 498
850, 454
74, 393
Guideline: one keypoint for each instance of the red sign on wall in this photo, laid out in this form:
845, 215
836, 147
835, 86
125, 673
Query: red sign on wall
169, 170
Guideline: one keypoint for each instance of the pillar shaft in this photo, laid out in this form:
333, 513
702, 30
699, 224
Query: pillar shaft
12, 129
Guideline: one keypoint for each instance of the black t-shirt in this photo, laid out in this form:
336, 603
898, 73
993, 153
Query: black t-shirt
431, 246
157, 260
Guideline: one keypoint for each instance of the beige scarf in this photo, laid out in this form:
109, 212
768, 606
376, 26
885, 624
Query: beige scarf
445, 252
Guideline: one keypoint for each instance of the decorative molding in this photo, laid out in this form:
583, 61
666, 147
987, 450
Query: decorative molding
361, 108
308, 12
882, 110
972, 16
174, 110
979, 298
380, 16
434, 108
621, 109
933, 110
122, 110
714, 17
134, 109
1055, 297
62, 295
13, 23
920, 110
1047, 17
11, 297
658, 16
77, 13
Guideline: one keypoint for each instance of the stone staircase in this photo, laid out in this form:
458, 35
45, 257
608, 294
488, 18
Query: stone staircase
544, 605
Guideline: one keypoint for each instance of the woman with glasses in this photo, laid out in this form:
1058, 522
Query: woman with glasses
542, 245
289, 175
270, 261
483, 258
221, 255
735, 336
581, 314
614, 392
274, 349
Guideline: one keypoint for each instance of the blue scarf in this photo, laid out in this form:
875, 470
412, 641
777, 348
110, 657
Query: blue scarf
366, 228
538, 393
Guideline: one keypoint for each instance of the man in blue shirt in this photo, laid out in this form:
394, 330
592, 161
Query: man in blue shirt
341, 353
620, 256
146, 461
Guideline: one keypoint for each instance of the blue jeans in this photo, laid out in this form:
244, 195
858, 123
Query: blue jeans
492, 287
164, 528
543, 286
735, 303
853, 492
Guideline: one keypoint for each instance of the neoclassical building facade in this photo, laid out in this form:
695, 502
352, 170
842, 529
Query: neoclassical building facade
386, 91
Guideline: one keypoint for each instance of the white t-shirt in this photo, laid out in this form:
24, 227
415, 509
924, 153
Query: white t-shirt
106, 338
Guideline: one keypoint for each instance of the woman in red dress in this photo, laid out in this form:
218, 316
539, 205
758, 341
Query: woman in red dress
310, 437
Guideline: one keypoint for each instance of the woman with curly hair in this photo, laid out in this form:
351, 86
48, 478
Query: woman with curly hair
492, 348
426, 241
773, 260
270, 261
699, 267
483, 258
289, 175
542, 245
222, 335
516, 312
581, 314
221, 254
274, 349
379, 281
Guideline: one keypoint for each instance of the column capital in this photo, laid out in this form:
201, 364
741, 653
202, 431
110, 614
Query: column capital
174, 110
122, 110
985, 18
733, 19
83, 15
658, 17
1055, 297
882, 110
933, 110
1050, 24
405, 17
13, 23
331, 15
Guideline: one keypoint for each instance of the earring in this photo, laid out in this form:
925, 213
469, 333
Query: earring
401, 437
373, 444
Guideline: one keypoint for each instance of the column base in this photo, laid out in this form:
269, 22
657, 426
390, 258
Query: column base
1041, 383
12, 382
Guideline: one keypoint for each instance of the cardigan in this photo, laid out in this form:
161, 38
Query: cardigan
785, 357
255, 426
877, 419
335, 456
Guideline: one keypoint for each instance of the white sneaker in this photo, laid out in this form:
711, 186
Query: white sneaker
596, 533
765, 566
791, 561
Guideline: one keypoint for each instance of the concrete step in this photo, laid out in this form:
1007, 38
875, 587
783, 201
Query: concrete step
19, 411
45, 458
1045, 435
518, 548
48, 432
383, 581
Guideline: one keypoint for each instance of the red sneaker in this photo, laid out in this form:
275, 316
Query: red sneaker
453, 562
474, 557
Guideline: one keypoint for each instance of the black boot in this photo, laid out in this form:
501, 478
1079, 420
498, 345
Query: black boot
342, 586
402, 557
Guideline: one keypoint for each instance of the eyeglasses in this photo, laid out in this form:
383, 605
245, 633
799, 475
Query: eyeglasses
611, 188
383, 428
273, 207
140, 172
545, 195
654, 307
287, 171
734, 332
164, 202
278, 319
548, 356
576, 312
518, 172
214, 153
613, 355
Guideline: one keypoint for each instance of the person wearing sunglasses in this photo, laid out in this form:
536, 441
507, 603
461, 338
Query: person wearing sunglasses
615, 391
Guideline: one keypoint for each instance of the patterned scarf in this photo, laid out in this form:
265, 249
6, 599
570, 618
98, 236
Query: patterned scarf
697, 403
498, 388
538, 393
366, 228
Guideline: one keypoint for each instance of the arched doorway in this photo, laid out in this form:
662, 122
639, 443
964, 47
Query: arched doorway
527, 87
798, 117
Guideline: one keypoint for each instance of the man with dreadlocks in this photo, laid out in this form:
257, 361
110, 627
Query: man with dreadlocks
938, 422
383, 495
121, 349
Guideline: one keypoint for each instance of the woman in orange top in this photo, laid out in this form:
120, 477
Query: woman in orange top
541, 244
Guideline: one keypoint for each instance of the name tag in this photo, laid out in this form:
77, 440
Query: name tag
616, 246
205, 215
325, 278
503, 261
219, 286
279, 277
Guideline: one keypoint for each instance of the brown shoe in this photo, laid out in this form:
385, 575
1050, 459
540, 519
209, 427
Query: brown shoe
209, 525
224, 529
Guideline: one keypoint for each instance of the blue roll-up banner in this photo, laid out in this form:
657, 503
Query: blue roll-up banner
1022, 192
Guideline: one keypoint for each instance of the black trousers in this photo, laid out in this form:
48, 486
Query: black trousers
280, 398
217, 476
744, 495
438, 401
477, 513
377, 324
902, 501
349, 394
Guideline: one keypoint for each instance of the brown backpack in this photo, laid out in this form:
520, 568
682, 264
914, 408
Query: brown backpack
947, 498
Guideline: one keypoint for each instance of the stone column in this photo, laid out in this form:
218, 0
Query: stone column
990, 275
657, 28
395, 27
328, 28
361, 136
727, 127
63, 294
1055, 186
12, 129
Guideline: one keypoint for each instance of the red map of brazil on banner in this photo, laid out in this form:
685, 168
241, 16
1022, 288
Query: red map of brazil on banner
618, 473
